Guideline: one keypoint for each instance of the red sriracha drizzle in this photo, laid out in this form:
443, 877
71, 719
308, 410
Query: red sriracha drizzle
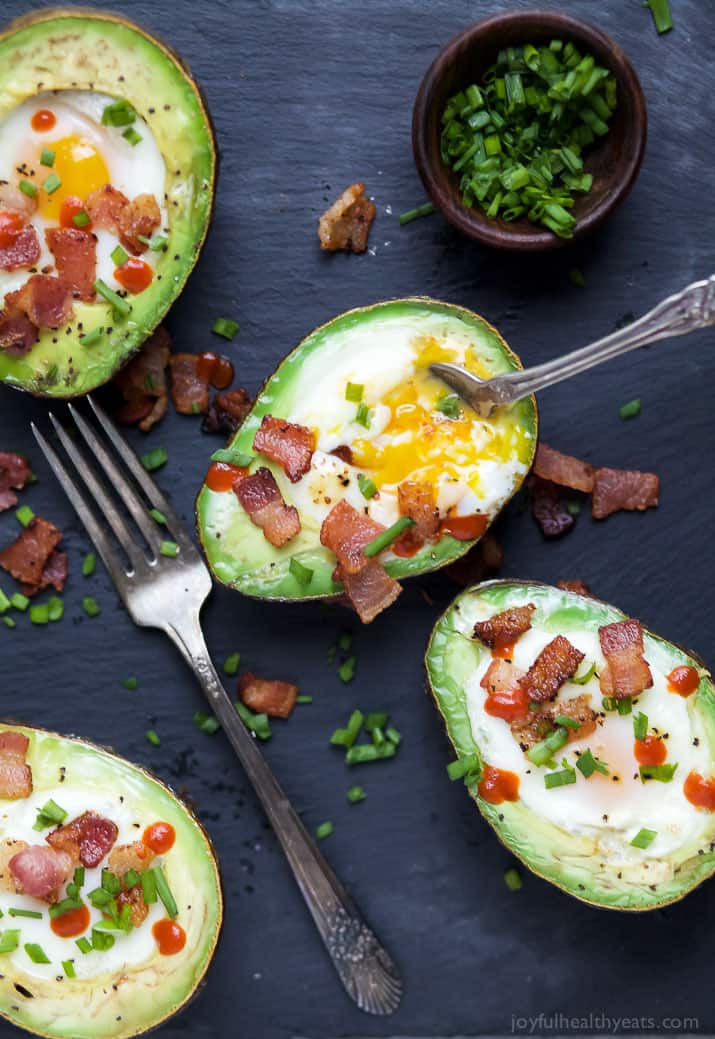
169, 936
69, 209
700, 791
216, 370
497, 785
10, 228
134, 275
650, 751
683, 680
464, 528
222, 476
71, 923
508, 704
159, 837
43, 120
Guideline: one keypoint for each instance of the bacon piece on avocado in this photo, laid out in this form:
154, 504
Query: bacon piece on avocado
626, 672
370, 591
287, 443
75, 254
503, 629
87, 839
15, 773
346, 532
262, 500
44, 300
40, 871
557, 662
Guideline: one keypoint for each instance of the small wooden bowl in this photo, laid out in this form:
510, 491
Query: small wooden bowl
614, 160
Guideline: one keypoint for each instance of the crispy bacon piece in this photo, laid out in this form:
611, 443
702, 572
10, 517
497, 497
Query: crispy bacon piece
537, 725
45, 300
346, 532
346, 224
260, 496
14, 474
134, 897
15, 773
503, 629
484, 559
267, 695
548, 509
142, 383
123, 857
141, 216
189, 389
370, 591
344, 453
22, 252
287, 443
616, 489
75, 254
556, 663
531, 728
8, 849
500, 676
54, 573
626, 672
227, 412
17, 334
417, 500
578, 586
105, 206
87, 839
41, 871
565, 470
11, 198
28, 556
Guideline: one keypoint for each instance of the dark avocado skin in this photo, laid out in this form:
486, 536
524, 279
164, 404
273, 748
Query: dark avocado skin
500, 816
432, 557
54, 38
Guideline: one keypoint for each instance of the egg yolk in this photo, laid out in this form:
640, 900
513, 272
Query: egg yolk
80, 168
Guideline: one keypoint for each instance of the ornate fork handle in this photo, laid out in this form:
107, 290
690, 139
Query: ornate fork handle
686, 311
364, 967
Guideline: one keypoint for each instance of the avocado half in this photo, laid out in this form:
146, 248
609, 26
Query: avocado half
237, 551
131, 998
577, 860
83, 49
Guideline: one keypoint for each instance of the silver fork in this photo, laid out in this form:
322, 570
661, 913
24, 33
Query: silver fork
686, 311
168, 593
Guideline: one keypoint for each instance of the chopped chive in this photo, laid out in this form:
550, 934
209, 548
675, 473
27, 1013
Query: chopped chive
81, 219
206, 723
324, 830
29, 914
567, 722
512, 879
78, 877
587, 764
100, 897
89, 564
133, 136
378, 736
55, 608
155, 459
302, 574
49, 815
609, 703
131, 878
118, 113
119, 304
376, 720
118, 256
385, 539
83, 946
90, 338
346, 671
164, 892
356, 794
156, 244
60, 908
543, 751
345, 641
576, 278
661, 773
36, 953
131, 683
68, 968
624, 706
90, 606
644, 838
426, 209
28, 188
148, 882
258, 724
101, 941
573, 508
24, 515
640, 725
393, 735
158, 517
19, 601
449, 405
152, 737
111, 882
363, 415
354, 392
47, 157
40, 614
304, 698
361, 753
631, 409
9, 622
565, 777
585, 677
367, 487
52, 183
169, 549
232, 457
464, 767
5, 603
9, 941
225, 327
230, 664
660, 9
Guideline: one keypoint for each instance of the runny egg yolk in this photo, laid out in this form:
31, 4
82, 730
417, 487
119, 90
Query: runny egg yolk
80, 168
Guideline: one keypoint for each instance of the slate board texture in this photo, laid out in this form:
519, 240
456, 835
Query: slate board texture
306, 98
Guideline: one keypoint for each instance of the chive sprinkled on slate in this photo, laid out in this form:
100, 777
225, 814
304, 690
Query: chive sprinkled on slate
258, 724
225, 327
660, 9
158, 517
356, 794
324, 830
24, 515
19, 601
90, 606
230, 664
131, 682
346, 671
576, 278
304, 698
152, 737
155, 459
426, 209
40, 614
631, 409
89, 564
169, 549
206, 723
512, 879
55, 608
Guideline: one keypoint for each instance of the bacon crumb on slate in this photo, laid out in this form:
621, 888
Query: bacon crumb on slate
503, 629
267, 695
30, 553
578, 586
616, 489
346, 224
54, 573
87, 839
346, 532
189, 389
261, 498
370, 591
15, 773
227, 412
564, 470
142, 383
286, 443
44, 300
557, 662
548, 509
17, 334
75, 254
14, 474
626, 673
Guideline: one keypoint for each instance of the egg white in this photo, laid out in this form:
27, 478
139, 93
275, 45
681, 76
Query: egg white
133, 169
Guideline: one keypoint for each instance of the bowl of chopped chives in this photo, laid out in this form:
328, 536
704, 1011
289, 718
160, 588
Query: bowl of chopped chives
529, 129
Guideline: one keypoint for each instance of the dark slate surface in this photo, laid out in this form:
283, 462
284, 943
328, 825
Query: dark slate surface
303, 105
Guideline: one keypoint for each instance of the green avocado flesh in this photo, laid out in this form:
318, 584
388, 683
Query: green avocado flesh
579, 835
102, 55
384, 350
130, 987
